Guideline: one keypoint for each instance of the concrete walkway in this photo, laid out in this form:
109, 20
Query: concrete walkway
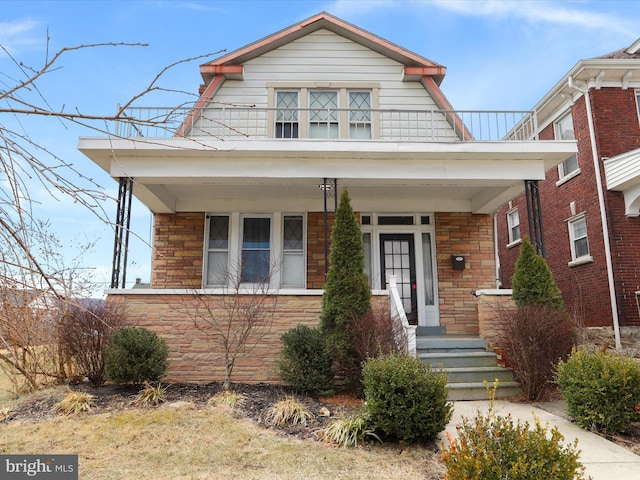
602, 459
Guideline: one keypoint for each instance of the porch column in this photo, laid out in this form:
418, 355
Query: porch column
534, 213
121, 241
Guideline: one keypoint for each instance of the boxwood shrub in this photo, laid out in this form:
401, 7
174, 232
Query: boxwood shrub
602, 390
405, 400
136, 355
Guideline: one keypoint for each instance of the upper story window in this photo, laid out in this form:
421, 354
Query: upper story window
564, 131
579, 242
287, 114
513, 221
323, 113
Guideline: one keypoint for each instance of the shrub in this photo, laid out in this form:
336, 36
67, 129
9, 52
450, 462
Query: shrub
405, 399
83, 335
350, 430
346, 292
136, 355
288, 412
375, 334
532, 281
492, 447
304, 362
534, 339
228, 398
602, 390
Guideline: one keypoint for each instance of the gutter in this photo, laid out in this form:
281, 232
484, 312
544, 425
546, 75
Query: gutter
583, 88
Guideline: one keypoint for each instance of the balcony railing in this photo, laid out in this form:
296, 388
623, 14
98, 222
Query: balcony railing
232, 123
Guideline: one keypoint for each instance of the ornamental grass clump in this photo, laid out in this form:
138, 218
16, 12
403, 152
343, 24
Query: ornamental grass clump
151, 395
288, 412
74, 403
350, 430
405, 399
493, 447
602, 390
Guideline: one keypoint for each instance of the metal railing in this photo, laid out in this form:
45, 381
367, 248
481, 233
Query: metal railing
233, 122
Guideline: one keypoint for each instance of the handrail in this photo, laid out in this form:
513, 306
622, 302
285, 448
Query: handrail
398, 315
249, 122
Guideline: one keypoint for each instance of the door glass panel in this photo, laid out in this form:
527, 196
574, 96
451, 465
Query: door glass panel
398, 260
427, 261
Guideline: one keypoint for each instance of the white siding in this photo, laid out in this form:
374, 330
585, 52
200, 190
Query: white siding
323, 57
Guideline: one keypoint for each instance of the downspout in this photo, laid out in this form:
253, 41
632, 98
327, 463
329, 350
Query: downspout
603, 216
495, 249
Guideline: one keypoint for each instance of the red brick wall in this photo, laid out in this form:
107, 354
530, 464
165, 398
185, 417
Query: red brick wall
617, 127
585, 288
471, 236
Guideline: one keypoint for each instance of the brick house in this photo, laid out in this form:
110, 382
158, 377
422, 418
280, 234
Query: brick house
590, 202
248, 177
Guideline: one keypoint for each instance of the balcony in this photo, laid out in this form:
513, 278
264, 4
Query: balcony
253, 123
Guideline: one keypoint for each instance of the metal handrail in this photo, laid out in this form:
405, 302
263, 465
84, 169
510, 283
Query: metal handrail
235, 122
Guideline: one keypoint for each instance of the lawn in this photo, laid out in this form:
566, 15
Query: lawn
200, 442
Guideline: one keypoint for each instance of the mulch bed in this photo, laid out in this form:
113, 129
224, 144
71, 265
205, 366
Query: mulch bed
257, 400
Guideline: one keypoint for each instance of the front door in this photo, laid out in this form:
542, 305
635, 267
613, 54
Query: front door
397, 258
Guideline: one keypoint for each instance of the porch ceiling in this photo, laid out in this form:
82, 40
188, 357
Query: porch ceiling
186, 175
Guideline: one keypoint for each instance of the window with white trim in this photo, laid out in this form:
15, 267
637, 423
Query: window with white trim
359, 115
293, 264
286, 114
217, 251
638, 103
513, 221
564, 131
245, 248
578, 238
323, 114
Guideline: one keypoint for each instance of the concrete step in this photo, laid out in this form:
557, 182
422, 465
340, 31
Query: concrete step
478, 375
451, 344
440, 360
478, 390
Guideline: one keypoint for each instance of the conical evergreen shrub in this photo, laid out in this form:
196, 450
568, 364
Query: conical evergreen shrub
532, 281
347, 295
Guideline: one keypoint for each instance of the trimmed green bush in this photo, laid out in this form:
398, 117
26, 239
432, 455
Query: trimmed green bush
304, 362
136, 355
492, 447
532, 281
405, 400
602, 390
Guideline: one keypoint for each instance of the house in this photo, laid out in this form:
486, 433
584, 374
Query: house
590, 203
249, 176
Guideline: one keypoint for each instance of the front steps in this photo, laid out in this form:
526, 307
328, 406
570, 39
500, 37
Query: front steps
467, 364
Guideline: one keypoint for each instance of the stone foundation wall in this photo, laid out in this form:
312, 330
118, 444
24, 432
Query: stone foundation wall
197, 357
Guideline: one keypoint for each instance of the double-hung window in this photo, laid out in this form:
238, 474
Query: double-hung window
255, 263
564, 131
217, 251
293, 264
287, 114
638, 103
513, 221
359, 115
578, 238
323, 114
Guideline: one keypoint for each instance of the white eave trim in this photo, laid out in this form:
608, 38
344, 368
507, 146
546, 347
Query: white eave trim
622, 174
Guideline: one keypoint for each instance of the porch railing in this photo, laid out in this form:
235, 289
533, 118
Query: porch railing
399, 317
236, 122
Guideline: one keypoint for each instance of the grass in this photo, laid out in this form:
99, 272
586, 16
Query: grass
199, 444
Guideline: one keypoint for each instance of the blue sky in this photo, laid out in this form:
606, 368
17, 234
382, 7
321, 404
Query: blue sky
500, 55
